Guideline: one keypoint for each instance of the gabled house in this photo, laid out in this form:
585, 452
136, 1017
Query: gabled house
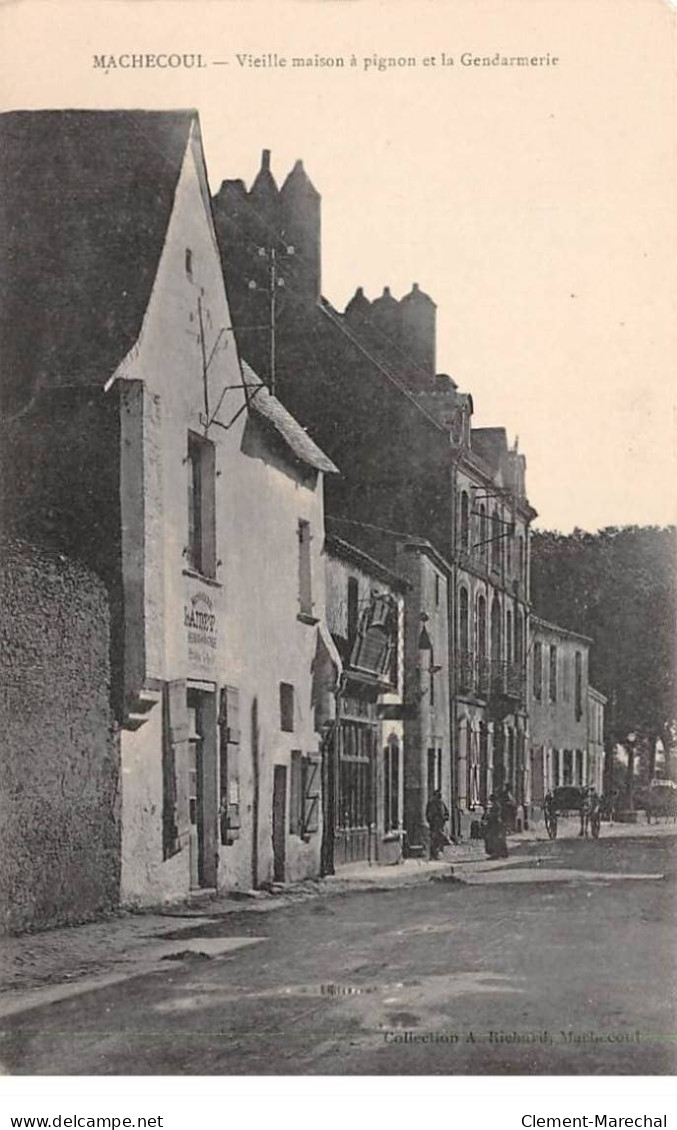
137, 442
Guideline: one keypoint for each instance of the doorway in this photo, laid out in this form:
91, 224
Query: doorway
279, 822
202, 800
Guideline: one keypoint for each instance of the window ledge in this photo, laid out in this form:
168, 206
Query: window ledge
201, 577
307, 618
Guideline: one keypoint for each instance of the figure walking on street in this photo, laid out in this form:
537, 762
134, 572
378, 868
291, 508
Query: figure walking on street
436, 814
495, 843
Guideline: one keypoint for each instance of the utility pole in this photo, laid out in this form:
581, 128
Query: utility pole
272, 253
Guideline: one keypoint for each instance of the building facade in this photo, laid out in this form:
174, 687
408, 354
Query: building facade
596, 754
558, 712
364, 752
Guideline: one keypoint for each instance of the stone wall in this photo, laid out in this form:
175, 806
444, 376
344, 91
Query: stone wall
59, 766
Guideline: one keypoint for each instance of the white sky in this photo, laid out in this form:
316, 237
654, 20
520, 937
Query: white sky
537, 207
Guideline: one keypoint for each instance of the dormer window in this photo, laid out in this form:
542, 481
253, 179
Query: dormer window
189, 263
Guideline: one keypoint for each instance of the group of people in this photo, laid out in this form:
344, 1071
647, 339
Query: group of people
497, 820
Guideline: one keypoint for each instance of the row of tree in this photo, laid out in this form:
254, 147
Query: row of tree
619, 586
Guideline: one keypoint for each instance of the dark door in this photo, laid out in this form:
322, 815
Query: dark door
202, 788
279, 822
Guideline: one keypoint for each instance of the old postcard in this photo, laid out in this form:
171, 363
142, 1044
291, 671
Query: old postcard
338, 550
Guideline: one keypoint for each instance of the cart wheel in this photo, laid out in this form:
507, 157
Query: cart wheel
595, 824
551, 826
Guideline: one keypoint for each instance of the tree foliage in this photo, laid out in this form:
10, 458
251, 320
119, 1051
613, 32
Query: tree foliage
617, 586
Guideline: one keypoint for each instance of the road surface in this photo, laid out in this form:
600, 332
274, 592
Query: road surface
560, 962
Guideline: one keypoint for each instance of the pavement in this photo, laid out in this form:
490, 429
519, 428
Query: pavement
59, 964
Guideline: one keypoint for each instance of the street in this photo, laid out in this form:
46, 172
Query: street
559, 961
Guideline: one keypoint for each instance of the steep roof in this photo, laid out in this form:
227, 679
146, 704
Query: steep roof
269, 409
85, 200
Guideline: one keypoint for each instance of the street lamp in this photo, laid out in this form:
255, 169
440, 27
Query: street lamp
630, 771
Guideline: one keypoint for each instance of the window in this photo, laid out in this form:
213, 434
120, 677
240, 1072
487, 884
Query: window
391, 786
509, 637
483, 546
189, 262
305, 570
432, 677
354, 802
287, 707
519, 638
481, 626
495, 543
437, 590
553, 672
434, 771
201, 548
465, 523
304, 797
538, 671
353, 607
520, 559
463, 621
578, 686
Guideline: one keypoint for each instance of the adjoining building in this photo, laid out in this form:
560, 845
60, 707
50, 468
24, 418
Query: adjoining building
596, 753
426, 709
363, 383
566, 715
137, 443
364, 752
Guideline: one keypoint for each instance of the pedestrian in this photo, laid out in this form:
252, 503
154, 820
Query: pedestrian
508, 808
495, 843
436, 814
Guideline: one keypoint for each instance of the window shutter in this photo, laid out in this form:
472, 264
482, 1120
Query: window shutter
296, 794
311, 795
175, 812
229, 776
208, 455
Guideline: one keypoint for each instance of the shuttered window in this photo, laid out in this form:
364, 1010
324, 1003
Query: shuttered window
305, 570
201, 468
287, 707
304, 800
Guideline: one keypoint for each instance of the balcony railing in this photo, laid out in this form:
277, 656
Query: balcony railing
489, 677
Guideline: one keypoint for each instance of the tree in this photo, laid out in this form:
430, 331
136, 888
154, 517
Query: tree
618, 586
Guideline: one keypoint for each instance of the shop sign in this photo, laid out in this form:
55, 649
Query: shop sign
200, 622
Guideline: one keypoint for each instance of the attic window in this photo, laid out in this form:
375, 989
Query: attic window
189, 262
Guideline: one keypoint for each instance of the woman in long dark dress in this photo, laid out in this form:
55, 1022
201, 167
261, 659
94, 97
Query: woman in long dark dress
495, 843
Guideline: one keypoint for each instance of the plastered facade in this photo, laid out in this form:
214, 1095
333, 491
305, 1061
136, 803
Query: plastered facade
249, 636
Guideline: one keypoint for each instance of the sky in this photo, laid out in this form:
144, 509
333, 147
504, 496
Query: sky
535, 205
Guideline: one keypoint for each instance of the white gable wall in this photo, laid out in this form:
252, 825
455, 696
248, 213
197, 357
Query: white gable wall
257, 640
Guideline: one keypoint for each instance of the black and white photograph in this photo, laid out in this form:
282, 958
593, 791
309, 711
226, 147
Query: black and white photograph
337, 554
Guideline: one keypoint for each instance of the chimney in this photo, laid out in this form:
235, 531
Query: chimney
265, 161
418, 329
300, 218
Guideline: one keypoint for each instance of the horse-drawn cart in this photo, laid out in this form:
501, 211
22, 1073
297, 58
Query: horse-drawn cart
565, 800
